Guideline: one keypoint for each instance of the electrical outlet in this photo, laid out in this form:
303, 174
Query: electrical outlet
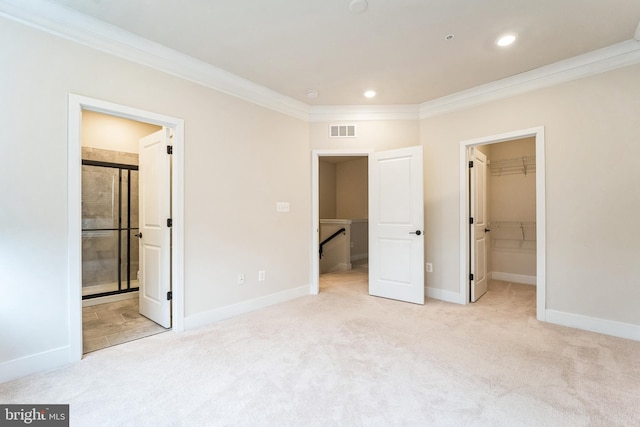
262, 275
429, 267
240, 278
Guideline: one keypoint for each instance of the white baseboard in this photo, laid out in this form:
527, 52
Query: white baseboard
215, 315
594, 324
510, 277
45, 361
359, 257
444, 295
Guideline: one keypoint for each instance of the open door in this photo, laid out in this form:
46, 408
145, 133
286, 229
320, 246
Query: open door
479, 226
396, 215
155, 231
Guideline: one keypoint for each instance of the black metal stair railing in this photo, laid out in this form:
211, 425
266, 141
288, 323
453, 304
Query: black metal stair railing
328, 239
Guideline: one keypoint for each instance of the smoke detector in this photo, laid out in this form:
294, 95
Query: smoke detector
358, 6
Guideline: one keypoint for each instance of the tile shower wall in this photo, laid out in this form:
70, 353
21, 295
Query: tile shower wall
100, 198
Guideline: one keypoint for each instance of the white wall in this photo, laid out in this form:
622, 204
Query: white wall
591, 132
234, 174
113, 133
343, 188
359, 239
327, 189
240, 159
352, 189
376, 135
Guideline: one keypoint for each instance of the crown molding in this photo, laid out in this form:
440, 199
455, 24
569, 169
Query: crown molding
72, 25
332, 113
589, 64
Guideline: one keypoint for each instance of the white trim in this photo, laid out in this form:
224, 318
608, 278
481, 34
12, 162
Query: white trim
72, 25
538, 132
589, 64
594, 324
44, 361
444, 295
74, 226
75, 26
314, 279
515, 278
77, 104
226, 312
329, 113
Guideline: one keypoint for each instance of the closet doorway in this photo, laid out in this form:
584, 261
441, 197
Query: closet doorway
502, 214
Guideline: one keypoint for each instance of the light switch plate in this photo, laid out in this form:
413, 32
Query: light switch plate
282, 207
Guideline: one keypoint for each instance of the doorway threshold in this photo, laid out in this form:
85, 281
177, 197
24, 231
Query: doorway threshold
106, 325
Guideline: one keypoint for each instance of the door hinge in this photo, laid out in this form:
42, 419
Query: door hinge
169, 222
169, 149
471, 163
471, 276
471, 220
169, 296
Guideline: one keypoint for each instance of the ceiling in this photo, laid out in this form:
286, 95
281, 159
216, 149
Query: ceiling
395, 47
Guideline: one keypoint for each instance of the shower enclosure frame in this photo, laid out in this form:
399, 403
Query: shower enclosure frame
128, 168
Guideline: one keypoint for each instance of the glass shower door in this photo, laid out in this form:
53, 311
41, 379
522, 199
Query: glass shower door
109, 225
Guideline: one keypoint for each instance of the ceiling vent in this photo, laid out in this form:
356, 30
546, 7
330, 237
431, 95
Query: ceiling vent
342, 131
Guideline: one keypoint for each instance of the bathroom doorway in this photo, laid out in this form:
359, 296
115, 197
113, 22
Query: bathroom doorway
110, 231
123, 216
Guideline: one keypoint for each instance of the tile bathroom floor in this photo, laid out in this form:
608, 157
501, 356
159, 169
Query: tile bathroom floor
114, 323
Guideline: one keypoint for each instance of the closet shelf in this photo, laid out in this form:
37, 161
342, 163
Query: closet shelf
518, 165
513, 230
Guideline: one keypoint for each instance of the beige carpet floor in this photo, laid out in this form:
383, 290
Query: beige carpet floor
343, 358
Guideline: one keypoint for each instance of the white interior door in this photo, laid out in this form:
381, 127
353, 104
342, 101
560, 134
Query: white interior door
479, 227
396, 242
155, 233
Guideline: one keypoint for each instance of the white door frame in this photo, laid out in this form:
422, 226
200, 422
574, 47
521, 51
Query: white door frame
77, 104
314, 280
538, 133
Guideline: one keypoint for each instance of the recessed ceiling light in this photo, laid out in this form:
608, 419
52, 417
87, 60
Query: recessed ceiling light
312, 94
506, 40
449, 37
370, 93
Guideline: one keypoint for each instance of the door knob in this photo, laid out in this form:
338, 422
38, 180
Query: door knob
139, 235
417, 232
486, 230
